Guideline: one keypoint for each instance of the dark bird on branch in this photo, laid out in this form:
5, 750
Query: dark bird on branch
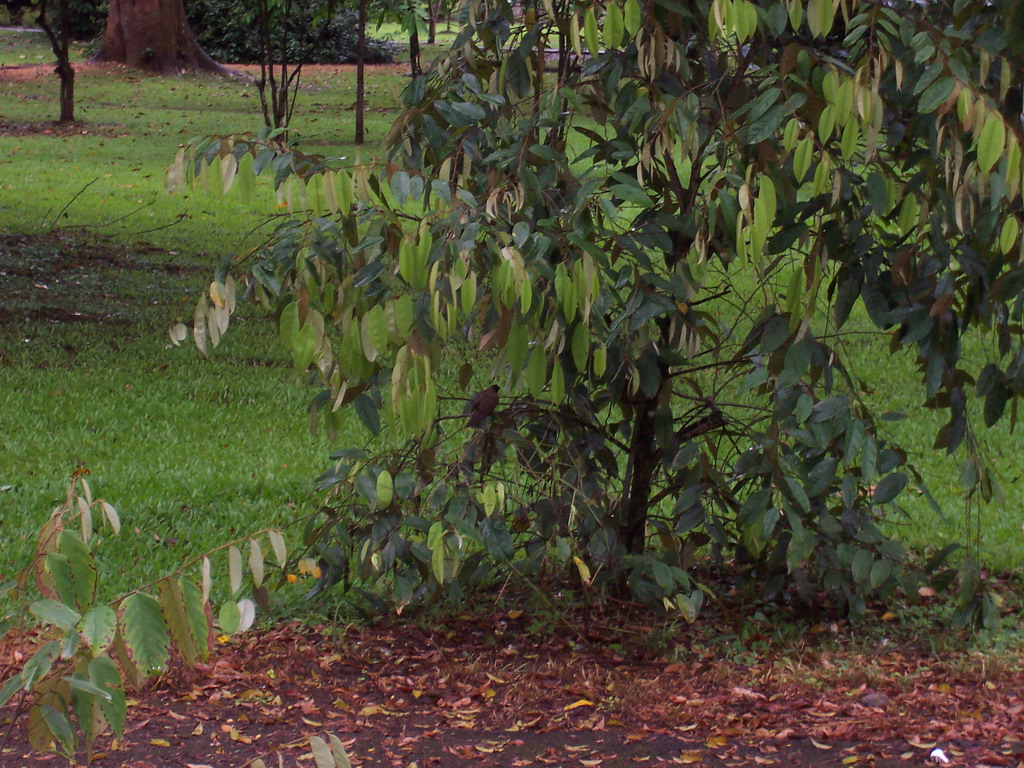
482, 405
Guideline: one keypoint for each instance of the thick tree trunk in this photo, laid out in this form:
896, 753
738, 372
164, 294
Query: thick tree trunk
153, 35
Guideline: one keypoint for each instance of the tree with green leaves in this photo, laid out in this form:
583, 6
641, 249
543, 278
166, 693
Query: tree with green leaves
660, 228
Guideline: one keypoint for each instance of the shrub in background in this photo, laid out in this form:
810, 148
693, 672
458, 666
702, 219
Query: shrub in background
224, 29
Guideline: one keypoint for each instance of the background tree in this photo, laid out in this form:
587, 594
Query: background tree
60, 42
153, 35
661, 251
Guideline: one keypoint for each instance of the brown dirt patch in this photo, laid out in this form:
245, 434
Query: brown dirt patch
24, 72
479, 692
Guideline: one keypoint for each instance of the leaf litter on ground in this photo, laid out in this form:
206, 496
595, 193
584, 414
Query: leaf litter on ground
484, 692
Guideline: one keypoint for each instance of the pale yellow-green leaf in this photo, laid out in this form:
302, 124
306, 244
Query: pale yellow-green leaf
795, 9
631, 17
199, 325
385, 488
205, 577
802, 157
581, 346
256, 562
437, 556
909, 211
246, 177
288, 324
1008, 234
340, 755
111, 515
344, 190
403, 312
790, 134
991, 141
229, 167
600, 360
557, 382
582, 568
575, 39
613, 25
826, 123
489, 499
304, 347
590, 32
246, 613
848, 143
218, 294
321, 752
277, 544
178, 333
234, 569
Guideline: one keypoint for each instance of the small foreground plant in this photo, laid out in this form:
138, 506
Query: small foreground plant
73, 685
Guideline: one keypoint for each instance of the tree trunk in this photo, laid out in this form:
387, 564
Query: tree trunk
414, 50
60, 46
153, 35
433, 10
643, 461
360, 72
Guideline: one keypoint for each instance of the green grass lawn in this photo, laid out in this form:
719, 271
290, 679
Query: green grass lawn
193, 451
190, 451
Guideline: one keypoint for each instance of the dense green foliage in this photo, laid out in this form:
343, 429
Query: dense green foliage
656, 239
226, 30
86, 18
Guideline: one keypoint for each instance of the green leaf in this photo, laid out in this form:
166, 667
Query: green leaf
376, 323
172, 602
878, 193
55, 613
104, 675
590, 33
537, 371
385, 488
860, 568
990, 143
880, 573
613, 25
889, 488
632, 194
229, 617
10, 687
199, 619
631, 17
304, 347
288, 324
581, 347
60, 726
367, 412
145, 633
87, 686
995, 402
936, 94
98, 627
